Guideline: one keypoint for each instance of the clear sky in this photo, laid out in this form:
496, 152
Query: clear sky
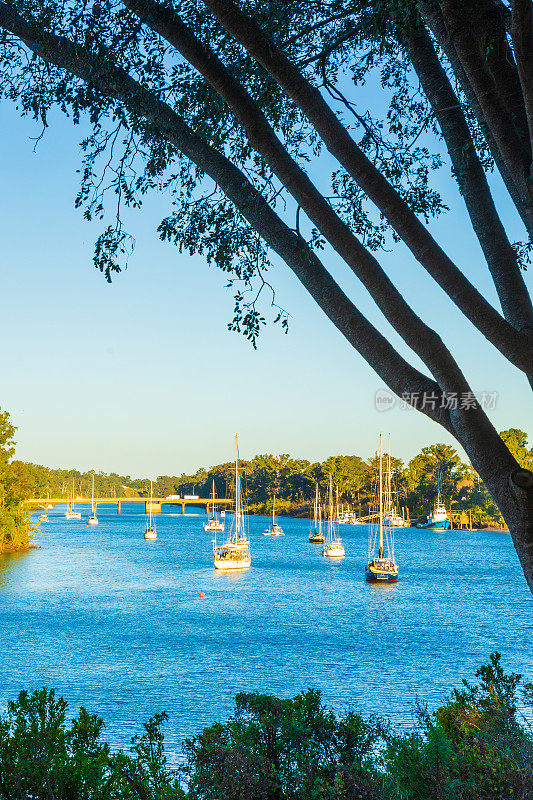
142, 377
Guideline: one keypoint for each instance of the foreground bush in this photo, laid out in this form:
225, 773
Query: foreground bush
476, 746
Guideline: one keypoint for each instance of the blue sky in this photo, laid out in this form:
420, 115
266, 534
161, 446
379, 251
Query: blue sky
142, 376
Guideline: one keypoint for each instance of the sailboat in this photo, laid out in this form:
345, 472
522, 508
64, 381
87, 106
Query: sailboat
44, 516
316, 536
382, 569
334, 547
70, 513
93, 519
234, 552
391, 516
439, 516
275, 529
213, 523
150, 532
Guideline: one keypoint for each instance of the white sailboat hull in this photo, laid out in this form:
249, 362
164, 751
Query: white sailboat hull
333, 551
228, 564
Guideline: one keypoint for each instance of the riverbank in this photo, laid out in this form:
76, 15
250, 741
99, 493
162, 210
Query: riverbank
304, 510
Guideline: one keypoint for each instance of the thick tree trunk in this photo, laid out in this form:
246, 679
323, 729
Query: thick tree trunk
510, 486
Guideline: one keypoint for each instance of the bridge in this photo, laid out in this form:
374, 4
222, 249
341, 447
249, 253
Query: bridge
157, 502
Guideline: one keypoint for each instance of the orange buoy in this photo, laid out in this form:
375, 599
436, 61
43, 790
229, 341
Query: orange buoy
201, 594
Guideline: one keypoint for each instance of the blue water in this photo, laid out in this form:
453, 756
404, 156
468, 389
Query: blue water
115, 623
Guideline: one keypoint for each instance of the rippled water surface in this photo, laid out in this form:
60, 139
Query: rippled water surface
116, 623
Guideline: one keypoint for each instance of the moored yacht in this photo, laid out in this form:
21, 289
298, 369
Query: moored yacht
93, 519
234, 552
150, 531
381, 568
439, 516
70, 513
316, 536
213, 523
334, 547
274, 529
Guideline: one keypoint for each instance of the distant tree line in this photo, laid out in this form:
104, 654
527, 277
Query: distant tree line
476, 746
293, 480
15, 528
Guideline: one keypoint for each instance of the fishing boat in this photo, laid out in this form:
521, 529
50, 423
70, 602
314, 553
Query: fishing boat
93, 519
70, 513
316, 536
391, 518
439, 516
234, 552
213, 523
383, 568
150, 531
274, 529
334, 547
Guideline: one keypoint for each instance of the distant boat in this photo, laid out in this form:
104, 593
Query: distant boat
316, 536
383, 568
93, 519
334, 547
43, 517
70, 513
439, 516
150, 531
234, 552
213, 523
275, 529
391, 517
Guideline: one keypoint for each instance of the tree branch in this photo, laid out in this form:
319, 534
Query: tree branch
522, 37
434, 20
496, 113
113, 82
500, 256
420, 337
405, 222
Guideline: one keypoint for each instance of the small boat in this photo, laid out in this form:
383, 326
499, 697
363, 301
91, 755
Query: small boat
70, 513
43, 517
275, 529
334, 547
150, 531
438, 518
93, 519
316, 536
391, 517
213, 523
383, 568
234, 552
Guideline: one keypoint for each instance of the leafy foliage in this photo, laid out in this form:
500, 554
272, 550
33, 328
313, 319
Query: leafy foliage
474, 747
125, 159
15, 529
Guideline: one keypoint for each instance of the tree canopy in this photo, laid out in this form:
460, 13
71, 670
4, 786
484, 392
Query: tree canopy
15, 529
229, 108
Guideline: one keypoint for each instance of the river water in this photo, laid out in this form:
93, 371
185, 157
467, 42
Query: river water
115, 623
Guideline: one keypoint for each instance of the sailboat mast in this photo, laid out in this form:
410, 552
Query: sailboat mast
380, 497
389, 487
316, 504
273, 506
237, 490
150, 523
330, 521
